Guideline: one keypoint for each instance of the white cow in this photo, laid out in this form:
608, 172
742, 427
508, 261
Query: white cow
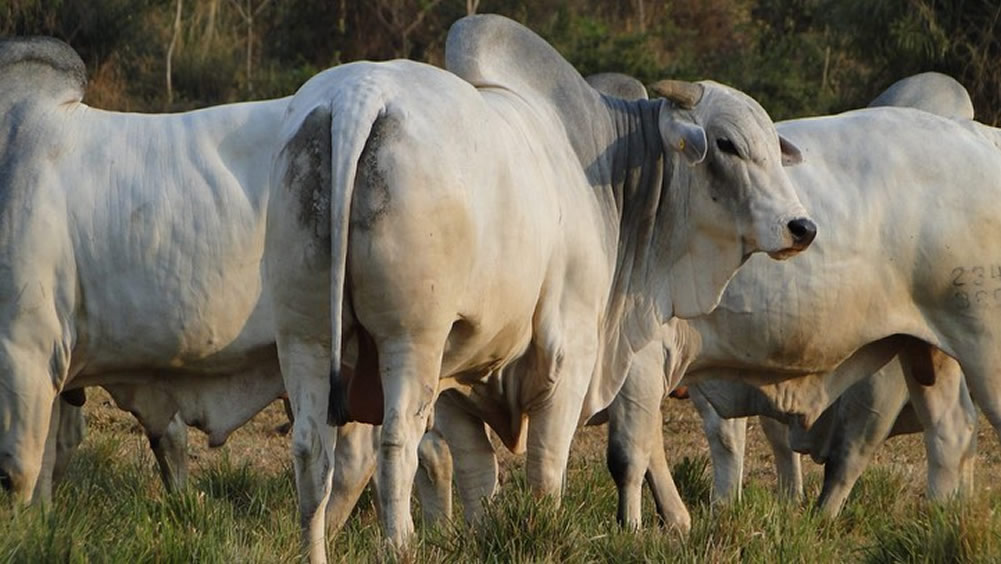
130, 257
924, 280
506, 231
846, 435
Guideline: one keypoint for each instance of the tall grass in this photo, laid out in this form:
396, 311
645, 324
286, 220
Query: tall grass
112, 508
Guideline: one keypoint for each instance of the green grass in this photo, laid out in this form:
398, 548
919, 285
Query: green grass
111, 508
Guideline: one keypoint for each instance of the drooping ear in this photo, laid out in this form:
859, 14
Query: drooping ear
790, 152
681, 134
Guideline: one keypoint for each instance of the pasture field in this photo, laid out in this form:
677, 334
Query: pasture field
240, 507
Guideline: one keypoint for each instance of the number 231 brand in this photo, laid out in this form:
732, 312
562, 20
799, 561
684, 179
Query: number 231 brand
976, 286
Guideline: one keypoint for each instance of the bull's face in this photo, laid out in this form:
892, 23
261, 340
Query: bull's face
735, 196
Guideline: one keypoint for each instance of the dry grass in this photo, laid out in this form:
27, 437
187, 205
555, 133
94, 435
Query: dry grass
240, 507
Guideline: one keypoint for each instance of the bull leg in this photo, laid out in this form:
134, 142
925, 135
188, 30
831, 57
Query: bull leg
170, 447
787, 462
72, 429
671, 509
866, 418
305, 369
473, 456
551, 426
842, 470
166, 432
634, 424
409, 371
434, 478
948, 417
354, 464
726, 438
982, 367
43, 487
26, 406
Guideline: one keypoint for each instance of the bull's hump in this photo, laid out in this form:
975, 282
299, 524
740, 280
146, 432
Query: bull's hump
21, 58
493, 51
489, 50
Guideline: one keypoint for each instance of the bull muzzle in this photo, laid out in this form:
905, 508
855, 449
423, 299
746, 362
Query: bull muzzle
803, 231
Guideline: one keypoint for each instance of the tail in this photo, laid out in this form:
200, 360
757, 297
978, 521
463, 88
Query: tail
350, 127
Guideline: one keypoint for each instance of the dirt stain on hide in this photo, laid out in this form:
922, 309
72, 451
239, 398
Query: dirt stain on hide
308, 174
372, 198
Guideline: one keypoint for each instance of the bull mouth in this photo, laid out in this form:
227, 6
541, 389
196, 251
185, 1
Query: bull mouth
786, 253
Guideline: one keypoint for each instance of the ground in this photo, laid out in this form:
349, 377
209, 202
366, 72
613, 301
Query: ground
240, 507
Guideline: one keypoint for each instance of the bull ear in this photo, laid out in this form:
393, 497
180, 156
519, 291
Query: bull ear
681, 134
790, 152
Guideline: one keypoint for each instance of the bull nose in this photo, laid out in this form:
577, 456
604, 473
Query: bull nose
5, 482
803, 231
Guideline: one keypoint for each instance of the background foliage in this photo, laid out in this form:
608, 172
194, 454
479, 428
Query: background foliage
798, 57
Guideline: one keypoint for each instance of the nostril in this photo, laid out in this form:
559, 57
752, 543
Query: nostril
5, 482
803, 231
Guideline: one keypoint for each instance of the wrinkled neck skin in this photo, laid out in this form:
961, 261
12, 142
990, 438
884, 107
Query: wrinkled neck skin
639, 186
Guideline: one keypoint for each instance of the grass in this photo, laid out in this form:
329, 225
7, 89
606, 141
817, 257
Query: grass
240, 507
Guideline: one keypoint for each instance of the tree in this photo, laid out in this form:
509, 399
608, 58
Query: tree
248, 13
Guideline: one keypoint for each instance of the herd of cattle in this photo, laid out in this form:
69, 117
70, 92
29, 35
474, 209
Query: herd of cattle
496, 245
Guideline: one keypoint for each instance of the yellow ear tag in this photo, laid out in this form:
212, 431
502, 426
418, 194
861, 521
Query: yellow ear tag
681, 145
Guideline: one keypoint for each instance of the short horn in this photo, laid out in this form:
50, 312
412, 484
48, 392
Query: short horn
684, 94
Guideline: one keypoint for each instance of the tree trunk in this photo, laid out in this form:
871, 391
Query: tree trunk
250, 47
170, 53
209, 34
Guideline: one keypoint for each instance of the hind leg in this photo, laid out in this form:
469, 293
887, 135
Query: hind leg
473, 456
947, 415
864, 417
434, 477
305, 366
409, 369
354, 464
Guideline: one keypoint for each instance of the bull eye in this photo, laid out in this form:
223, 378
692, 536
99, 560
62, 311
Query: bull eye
726, 146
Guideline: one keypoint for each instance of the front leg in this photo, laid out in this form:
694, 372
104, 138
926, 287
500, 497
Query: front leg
72, 429
636, 444
171, 451
787, 461
167, 434
727, 438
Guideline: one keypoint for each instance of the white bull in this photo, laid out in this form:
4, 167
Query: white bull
635, 447
515, 236
130, 257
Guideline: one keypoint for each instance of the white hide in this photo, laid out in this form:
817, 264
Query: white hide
537, 229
